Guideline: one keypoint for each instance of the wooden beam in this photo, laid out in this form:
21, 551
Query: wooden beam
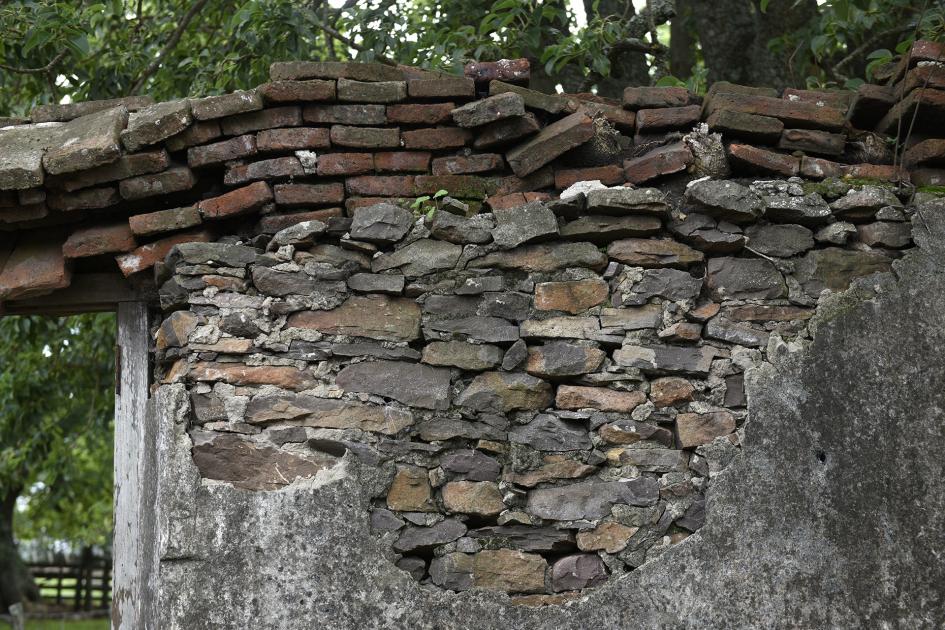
88, 293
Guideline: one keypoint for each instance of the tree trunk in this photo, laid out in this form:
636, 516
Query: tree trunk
627, 67
682, 42
16, 584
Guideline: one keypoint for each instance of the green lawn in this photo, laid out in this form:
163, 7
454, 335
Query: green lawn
86, 624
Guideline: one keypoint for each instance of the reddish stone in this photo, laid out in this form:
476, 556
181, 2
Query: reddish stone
812, 141
282, 376
381, 186
272, 223
538, 196
609, 175
927, 152
504, 202
885, 172
365, 137
462, 164
35, 267
401, 161
99, 239
410, 490
931, 76
240, 201
276, 168
552, 141
742, 125
794, 113
436, 138
838, 99
670, 390
757, 159
289, 91
419, 114
668, 118
511, 70
870, 105
506, 131
220, 152
344, 164
164, 221
300, 195
817, 168
442, 88
666, 160
654, 97
353, 114
575, 296
576, 397
292, 139
928, 177
695, 429
622, 119
85, 199
263, 119
296, 70
459, 186
146, 256
931, 111
197, 133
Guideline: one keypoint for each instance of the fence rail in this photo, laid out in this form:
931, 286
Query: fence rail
84, 586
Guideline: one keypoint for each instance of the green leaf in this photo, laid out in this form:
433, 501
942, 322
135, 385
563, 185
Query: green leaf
764, 6
670, 81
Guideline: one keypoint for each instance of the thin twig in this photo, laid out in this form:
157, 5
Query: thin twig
857, 52
49, 66
350, 42
169, 46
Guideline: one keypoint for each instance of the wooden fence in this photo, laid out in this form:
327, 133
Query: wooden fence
82, 586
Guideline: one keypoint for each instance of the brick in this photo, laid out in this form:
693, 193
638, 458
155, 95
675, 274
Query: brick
220, 152
301, 195
654, 97
932, 77
838, 99
436, 138
504, 202
609, 175
747, 126
292, 139
755, 159
156, 123
489, 110
536, 100
622, 119
87, 142
554, 140
35, 267
360, 114
920, 177
401, 161
30, 196
331, 164
272, 223
164, 221
146, 256
85, 199
818, 168
812, 141
173, 180
666, 160
240, 201
17, 214
365, 137
276, 168
197, 133
885, 172
726, 87
870, 105
542, 178
371, 92
458, 186
293, 91
381, 186
668, 118
797, 114
130, 165
263, 119
506, 131
927, 152
452, 87
510, 70
297, 70
99, 239
56, 112
353, 203
419, 114
464, 164
212, 107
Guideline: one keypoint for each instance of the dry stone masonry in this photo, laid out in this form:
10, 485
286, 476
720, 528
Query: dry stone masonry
531, 313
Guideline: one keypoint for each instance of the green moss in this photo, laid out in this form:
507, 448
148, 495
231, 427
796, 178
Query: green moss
938, 191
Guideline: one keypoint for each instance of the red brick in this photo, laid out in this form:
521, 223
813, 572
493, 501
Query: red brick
870, 105
506, 131
463, 164
542, 178
741, 125
668, 118
344, 164
538, 196
838, 99
817, 168
353, 203
353, 114
371, 91
263, 119
365, 137
436, 138
240, 201
146, 256
220, 152
172, 180
35, 267
666, 160
511, 70
197, 133
164, 221
608, 175
272, 223
459, 186
381, 186
289, 91
652, 97
885, 172
927, 152
551, 142
442, 88
504, 202
926, 50
129, 165
276, 168
85, 199
401, 161
31, 212
300, 195
294, 70
99, 239
812, 141
757, 159
622, 119
419, 114
292, 139
794, 113
932, 77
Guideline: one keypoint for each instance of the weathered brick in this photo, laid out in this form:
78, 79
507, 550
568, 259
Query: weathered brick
197, 133
353, 203
276, 168
381, 186
506, 131
534, 99
301, 195
99, 239
920, 177
164, 221
436, 138
212, 107
297, 70
130, 165
609, 175
930, 152
31, 212
401, 161
542, 178
572, 297
838, 99
419, 114
173, 180
668, 118
292, 139
272, 223
818, 168
870, 105
240, 201
220, 152
812, 141
931, 76
345, 164
504, 202
85, 199
450, 87
756, 159
64, 112
622, 119
263, 119
554, 140
459, 186
155, 123
87, 142
463, 164
794, 113
489, 110
886, 172
666, 160
35, 267
371, 92
146, 256
359, 114
742, 125
653, 97
365, 137
293, 91
512, 70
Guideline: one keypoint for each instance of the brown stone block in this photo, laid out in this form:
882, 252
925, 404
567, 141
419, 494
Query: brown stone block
35, 267
263, 119
240, 201
666, 160
436, 138
551, 142
756, 159
609, 175
164, 221
330, 164
669, 118
145, 256
655, 97
99, 239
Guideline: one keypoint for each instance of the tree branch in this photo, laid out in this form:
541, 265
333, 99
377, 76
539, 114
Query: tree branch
169, 46
49, 66
857, 52
350, 42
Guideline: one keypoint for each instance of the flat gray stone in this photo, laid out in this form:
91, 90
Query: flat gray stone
419, 258
744, 279
524, 224
621, 201
156, 123
726, 200
410, 383
87, 142
550, 433
591, 499
21, 161
382, 223
780, 241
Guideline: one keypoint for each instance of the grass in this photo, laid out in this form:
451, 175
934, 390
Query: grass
64, 624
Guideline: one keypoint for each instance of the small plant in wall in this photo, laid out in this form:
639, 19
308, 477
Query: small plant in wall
428, 204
